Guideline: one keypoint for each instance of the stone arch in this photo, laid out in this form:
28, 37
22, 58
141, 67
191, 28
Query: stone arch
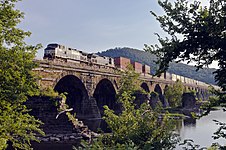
142, 97
105, 94
165, 89
152, 85
186, 88
115, 84
158, 90
145, 87
76, 93
198, 93
206, 94
189, 88
202, 93
196, 89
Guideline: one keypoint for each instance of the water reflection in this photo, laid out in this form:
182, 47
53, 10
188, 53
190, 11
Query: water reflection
97, 125
201, 130
189, 122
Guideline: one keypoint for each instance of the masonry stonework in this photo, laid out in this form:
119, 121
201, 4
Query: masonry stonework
89, 81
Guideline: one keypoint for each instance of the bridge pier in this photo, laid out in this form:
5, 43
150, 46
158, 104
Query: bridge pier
90, 109
90, 87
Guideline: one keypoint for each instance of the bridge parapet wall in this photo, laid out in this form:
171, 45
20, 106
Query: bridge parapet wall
51, 69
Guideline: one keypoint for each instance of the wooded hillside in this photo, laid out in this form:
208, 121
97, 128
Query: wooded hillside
205, 75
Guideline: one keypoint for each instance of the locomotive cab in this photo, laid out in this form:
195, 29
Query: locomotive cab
49, 53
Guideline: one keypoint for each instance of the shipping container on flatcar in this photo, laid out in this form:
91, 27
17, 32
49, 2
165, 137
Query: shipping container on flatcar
190, 81
162, 76
146, 69
178, 77
121, 62
137, 67
168, 76
174, 77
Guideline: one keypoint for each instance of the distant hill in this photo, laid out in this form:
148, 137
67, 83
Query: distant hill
204, 75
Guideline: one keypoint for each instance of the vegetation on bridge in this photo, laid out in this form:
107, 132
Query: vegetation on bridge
140, 128
173, 93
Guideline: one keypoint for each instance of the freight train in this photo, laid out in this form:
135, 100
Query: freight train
57, 51
61, 52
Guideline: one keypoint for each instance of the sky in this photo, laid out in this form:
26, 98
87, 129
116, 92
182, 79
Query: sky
91, 25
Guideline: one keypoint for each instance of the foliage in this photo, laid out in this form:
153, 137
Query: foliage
17, 81
139, 128
193, 92
64, 108
98, 144
17, 126
188, 144
143, 57
49, 92
213, 148
174, 93
154, 93
221, 132
202, 32
213, 101
129, 82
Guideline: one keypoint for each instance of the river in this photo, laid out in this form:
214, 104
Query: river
200, 130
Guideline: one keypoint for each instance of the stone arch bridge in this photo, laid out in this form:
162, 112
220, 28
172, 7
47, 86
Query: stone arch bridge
90, 87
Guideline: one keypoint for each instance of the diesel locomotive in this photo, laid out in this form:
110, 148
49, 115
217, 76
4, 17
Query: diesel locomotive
57, 51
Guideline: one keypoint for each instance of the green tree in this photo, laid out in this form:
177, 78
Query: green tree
196, 34
129, 82
139, 128
17, 81
174, 93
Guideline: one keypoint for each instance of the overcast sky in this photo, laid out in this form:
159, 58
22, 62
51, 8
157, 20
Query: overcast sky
91, 25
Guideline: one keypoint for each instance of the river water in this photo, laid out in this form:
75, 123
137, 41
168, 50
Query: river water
200, 130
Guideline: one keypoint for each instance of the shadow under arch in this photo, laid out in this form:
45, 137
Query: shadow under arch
76, 93
105, 94
158, 90
166, 88
145, 87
